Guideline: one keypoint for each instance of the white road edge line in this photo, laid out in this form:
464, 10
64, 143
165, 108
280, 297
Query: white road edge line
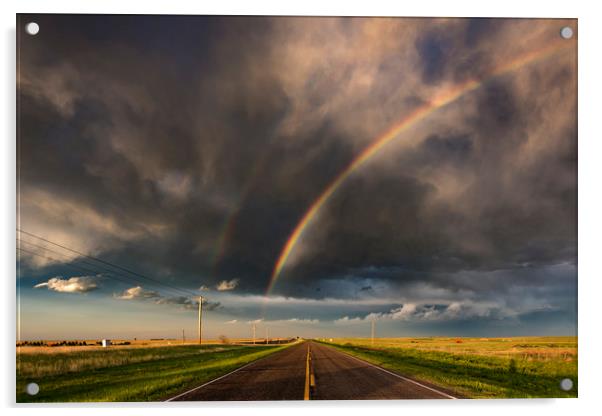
401, 377
212, 381
219, 378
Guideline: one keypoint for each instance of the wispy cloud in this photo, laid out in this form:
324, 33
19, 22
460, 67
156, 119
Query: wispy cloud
79, 284
290, 321
301, 321
188, 303
139, 293
436, 312
310, 302
287, 322
233, 321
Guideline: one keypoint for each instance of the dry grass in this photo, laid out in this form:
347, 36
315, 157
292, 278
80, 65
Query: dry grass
128, 374
36, 361
520, 348
53, 361
47, 349
141, 343
518, 367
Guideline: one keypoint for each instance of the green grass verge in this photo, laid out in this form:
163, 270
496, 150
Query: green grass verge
473, 376
168, 371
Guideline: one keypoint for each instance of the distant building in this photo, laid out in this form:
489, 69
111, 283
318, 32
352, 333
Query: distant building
106, 342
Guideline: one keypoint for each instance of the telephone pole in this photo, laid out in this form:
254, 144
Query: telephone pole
183, 337
200, 320
266, 336
253, 334
372, 333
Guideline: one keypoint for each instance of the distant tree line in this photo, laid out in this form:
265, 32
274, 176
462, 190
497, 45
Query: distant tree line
62, 343
51, 343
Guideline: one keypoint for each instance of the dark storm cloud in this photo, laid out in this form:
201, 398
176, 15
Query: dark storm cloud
455, 51
453, 149
188, 148
480, 29
435, 49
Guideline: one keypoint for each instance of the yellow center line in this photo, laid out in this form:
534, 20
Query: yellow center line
307, 374
312, 379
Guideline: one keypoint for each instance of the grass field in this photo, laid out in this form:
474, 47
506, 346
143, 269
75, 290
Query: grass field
126, 374
477, 367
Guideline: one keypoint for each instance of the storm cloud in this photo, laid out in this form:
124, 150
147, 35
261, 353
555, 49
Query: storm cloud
189, 148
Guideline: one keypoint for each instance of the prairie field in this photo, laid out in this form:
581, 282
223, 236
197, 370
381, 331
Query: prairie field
54, 346
518, 367
138, 373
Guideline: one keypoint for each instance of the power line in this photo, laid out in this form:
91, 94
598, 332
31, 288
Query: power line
188, 292
114, 276
104, 271
81, 269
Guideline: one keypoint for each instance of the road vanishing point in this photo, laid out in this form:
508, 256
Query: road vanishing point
311, 371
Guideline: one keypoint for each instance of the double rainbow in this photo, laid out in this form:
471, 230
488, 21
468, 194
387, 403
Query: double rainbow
411, 119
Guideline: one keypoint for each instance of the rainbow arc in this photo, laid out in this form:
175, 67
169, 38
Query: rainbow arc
419, 114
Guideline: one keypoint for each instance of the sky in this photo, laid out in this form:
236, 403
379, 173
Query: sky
304, 175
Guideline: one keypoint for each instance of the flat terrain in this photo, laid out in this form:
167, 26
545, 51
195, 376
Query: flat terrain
284, 376
337, 369
127, 374
476, 367
52, 347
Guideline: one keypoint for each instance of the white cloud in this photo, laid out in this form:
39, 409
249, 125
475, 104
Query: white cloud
137, 292
373, 317
233, 321
204, 288
347, 320
301, 321
80, 284
440, 312
452, 311
404, 312
227, 285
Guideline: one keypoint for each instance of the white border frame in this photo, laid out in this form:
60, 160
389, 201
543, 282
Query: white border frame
590, 196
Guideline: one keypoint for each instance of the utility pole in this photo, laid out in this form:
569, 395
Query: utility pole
253, 334
267, 339
372, 334
200, 320
183, 337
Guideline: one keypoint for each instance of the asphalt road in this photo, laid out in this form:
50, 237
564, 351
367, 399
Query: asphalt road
330, 375
279, 376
